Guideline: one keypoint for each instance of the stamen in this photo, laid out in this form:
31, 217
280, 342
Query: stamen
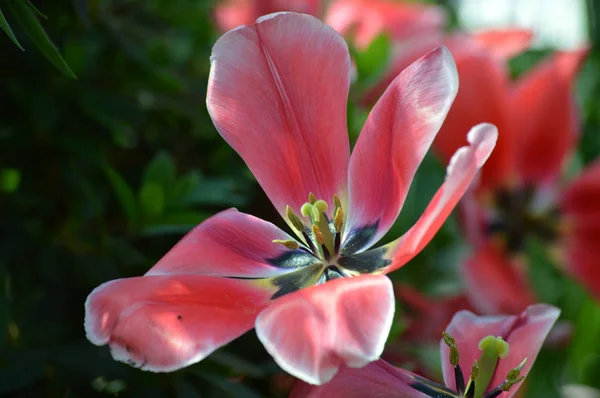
318, 235
294, 219
454, 360
290, 244
512, 378
338, 219
311, 198
471, 387
337, 202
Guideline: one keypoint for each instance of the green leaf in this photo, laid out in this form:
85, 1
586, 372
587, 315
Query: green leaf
237, 364
543, 276
10, 179
25, 14
123, 192
371, 62
7, 29
161, 171
585, 345
20, 369
230, 388
152, 199
173, 223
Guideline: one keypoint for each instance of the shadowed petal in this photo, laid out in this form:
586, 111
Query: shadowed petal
483, 97
313, 332
525, 340
494, 284
468, 329
379, 379
364, 20
545, 116
231, 243
277, 93
580, 205
460, 172
392, 144
164, 323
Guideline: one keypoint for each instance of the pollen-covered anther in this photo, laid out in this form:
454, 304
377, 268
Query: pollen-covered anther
318, 234
290, 244
294, 219
338, 220
454, 354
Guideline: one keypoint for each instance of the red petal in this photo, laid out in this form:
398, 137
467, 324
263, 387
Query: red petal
468, 329
378, 379
229, 243
494, 284
230, 14
313, 332
545, 116
462, 169
505, 43
164, 323
394, 141
483, 97
525, 340
277, 93
580, 205
364, 20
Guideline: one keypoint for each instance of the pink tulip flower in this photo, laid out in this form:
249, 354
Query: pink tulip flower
482, 357
277, 94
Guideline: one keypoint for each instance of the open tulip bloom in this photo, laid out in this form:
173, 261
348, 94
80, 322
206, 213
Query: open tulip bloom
277, 94
482, 357
521, 195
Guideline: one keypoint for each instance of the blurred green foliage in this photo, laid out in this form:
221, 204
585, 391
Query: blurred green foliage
101, 175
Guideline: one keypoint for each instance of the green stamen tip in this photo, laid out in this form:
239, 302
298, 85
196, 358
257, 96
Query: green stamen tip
290, 244
294, 219
497, 344
321, 205
449, 340
516, 372
311, 198
306, 210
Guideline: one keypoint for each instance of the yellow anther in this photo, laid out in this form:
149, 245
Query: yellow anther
318, 235
516, 372
338, 220
311, 198
337, 202
294, 219
321, 206
290, 244
450, 342
307, 210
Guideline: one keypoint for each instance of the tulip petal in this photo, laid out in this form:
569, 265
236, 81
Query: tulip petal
476, 69
277, 93
505, 43
364, 20
392, 144
468, 330
545, 116
462, 169
235, 244
493, 282
164, 323
377, 379
315, 331
581, 240
525, 340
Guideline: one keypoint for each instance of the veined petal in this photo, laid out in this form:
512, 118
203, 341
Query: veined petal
232, 243
468, 330
164, 323
493, 282
277, 93
483, 98
392, 144
579, 205
545, 116
377, 379
313, 332
364, 20
525, 339
460, 172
